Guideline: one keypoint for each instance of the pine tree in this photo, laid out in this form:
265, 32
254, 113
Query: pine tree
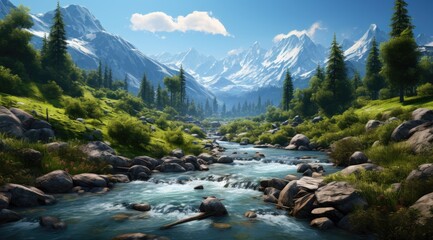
125, 83
215, 106
287, 91
159, 100
110, 79
143, 91
105, 81
356, 81
207, 108
224, 110
100, 78
44, 51
400, 20
182, 94
373, 80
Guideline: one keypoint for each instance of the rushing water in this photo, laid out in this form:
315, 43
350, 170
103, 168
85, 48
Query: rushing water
172, 197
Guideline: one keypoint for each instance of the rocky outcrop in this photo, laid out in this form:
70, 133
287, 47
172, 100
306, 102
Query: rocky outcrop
10, 124
57, 181
287, 195
299, 142
355, 169
358, 158
100, 151
423, 114
422, 138
422, 173
322, 223
341, 196
424, 205
372, 124
22, 196
402, 131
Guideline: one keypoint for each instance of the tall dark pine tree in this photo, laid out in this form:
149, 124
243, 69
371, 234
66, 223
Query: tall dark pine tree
57, 46
100, 77
373, 80
356, 81
400, 20
110, 79
144, 89
182, 94
215, 106
105, 81
287, 91
159, 102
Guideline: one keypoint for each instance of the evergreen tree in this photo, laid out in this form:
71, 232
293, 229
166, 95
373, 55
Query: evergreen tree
287, 91
400, 20
182, 93
259, 105
44, 51
373, 80
159, 100
100, 77
207, 108
105, 81
356, 81
144, 89
215, 106
125, 83
224, 110
110, 79
173, 86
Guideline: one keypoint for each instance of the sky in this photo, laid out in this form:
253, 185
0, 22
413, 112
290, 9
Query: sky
217, 27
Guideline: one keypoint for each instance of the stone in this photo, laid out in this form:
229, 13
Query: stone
356, 169
42, 134
424, 172
300, 140
340, 195
225, 159
373, 124
10, 124
170, 167
345, 223
56, 146
328, 212
7, 216
302, 167
89, 180
25, 118
250, 214
402, 131
270, 199
422, 114
189, 167
204, 167
357, 158
309, 183
31, 156
40, 124
118, 178
290, 177
143, 207
270, 191
308, 173
51, 222
287, 195
57, 181
317, 119
22, 196
322, 223
207, 157
146, 161
5, 199
100, 151
422, 141
192, 160
221, 225
138, 236
304, 205
177, 153
213, 205
277, 183
424, 205
199, 187
139, 172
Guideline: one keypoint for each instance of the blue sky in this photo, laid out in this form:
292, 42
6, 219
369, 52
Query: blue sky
237, 24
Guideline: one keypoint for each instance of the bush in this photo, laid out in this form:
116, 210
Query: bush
92, 108
198, 131
128, 131
51, 90
9, 83
74, 109
347, 119
175, 137
130, 104
425, 90
343, 149
83, 108
265, 138
280, 138
385, 93
162, 123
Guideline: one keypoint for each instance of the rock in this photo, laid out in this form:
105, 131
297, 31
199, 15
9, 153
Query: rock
146, 161
372, 124
7, 216
277, 183
422, 140
316, 167
225, 159
358, 158
402, 131
250, 214
328, 212
308, 173
5, 199
213, 205
297, 119
177, 153
258, 156
100, 151
309, 183
304, 205
192, 160
317, 119
300, 140
118, 178
138, 236
424, 205
10, 124
356, 169
81, 120
22, 196
221, 225
264, 183
422, 114
56, 146
304, 148
31, 156
270, 199
317, 175
57, 181
170, 167
424, 172
40, 124
139, 172
302, 167
199, 187
42, 134
89, 180
339, 195
270, 191
189, 167
207, 157
345, 223
322, 223
25, 118
99, 190
290, 177
288, 194
52, 223
143, 207
204, 167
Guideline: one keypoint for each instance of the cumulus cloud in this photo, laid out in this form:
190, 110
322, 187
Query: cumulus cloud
310, 32
161, 22
234, 51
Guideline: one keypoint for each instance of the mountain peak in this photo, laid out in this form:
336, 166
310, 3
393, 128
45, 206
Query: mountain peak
373, 27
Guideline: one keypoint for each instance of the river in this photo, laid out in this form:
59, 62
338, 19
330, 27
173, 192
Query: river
172, 197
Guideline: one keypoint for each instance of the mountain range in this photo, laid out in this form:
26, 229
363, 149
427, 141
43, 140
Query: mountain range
89, 43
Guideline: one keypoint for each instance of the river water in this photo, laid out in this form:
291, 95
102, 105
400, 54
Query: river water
172, 197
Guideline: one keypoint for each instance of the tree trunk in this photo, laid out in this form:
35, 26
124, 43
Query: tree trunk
401, 94
200, 216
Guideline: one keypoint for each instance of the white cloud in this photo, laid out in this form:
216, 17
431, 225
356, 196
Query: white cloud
161, 22
310, 32
234, 51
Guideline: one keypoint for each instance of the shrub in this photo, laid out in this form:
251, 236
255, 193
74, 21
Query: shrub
83, 108
347, 119
9, 83
74, 109
198, 131
51, 90
385, 93
343, 149
92, 108
129, 132
175, 137
130, 104
425, 90
162, 123
265, 138
280, 138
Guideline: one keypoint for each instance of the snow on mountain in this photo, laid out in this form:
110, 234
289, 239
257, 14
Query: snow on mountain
89, 43
5, 7
424, 40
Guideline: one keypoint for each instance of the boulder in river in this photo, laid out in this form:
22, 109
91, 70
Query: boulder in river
340, 195
207, 157
303, 205
170, 167
22, 196
225, 159
7, 216
177, 153
328, 212
149, 162
287, 195
89, 180
250, 214
139, 172
143, 207
57, 181
299, 140
51, 222
322, 223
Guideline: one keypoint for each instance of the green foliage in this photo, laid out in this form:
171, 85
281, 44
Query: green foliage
343, 149
83, 108
9, 83
51, 90
385, 93
175, 137
198, 131
347, 119
280, 138
425, 90
373, 81
287, 91
129, 131
400, 20
74, 109
146, 91
162, 123
426, 69
274, 114
265, 138
129, 104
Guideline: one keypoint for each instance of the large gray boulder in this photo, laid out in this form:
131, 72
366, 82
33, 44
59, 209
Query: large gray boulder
309, 183
192, 160
10, 124
207, 157
422, 139
213, 205
41, 134
5, 199
7, 216
422, 114
40, 124
225, 159
100, 151
57, 181
25, 118
340, 195
177, 153
372, 124
89, 180
422, 173
424, 205
146, 161
322, 223
402, 131
298, 141
277, 183
170, 167
304, 205
22, 196
358, 158
356, 169
287, 195
139, 172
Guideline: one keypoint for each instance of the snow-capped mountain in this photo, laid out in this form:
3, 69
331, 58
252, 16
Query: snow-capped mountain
424, 40
89, 43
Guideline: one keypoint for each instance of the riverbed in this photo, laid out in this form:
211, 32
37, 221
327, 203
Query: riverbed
172, 197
